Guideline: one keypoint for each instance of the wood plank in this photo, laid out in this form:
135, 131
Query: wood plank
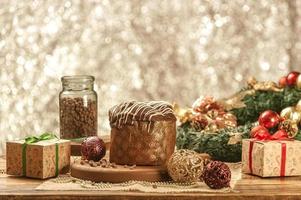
249, 187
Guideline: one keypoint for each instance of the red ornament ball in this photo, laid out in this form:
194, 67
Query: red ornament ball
93, 148
282, 81
260, 132
217, 175
291, 78
269, 119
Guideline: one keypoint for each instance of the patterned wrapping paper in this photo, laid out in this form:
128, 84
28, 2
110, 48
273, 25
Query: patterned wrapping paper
134, 145
269, 158
40, 158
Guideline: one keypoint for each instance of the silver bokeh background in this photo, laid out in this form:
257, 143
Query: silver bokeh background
172, 50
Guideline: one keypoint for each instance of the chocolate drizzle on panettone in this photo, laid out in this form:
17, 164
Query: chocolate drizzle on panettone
128, 112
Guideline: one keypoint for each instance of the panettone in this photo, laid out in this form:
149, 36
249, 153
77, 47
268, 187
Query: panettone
143, 133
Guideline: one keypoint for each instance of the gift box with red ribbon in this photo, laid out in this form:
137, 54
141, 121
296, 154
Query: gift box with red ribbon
271, 158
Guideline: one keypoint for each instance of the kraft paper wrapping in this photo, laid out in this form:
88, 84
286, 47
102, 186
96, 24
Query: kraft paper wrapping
134, 145
267, 157
40, 158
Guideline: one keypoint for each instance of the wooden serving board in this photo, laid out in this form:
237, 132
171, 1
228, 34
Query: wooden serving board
118, 174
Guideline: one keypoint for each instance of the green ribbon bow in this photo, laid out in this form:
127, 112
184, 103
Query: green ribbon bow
35, 139
44, 136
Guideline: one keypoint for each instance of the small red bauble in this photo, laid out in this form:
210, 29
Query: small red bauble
282, 81
258, 130
217, 175
263, 136
260, 133
291, 78
93, 148
280, 135
269, 119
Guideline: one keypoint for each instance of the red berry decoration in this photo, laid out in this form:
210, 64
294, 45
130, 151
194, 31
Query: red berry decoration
269, 119
291, 78
93, 148
282, 81
260, 132
280, 135
217, 175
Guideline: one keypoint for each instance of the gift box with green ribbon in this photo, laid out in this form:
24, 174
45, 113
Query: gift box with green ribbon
41, 156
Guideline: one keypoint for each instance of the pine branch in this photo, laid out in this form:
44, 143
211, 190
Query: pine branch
266, 100
215, 144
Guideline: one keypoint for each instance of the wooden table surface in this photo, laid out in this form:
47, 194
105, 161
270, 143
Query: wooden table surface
249, 187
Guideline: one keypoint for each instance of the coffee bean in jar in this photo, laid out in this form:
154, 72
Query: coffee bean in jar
78, 107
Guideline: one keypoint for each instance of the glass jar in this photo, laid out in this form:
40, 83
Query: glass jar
78, 107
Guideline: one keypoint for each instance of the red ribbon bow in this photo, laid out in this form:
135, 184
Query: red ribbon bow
264, 135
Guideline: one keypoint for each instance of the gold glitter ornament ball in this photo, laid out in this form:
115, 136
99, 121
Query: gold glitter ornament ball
298, 83
186, 166
287, 112
298, 106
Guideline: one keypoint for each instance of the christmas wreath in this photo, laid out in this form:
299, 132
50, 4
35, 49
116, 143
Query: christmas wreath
217, 127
